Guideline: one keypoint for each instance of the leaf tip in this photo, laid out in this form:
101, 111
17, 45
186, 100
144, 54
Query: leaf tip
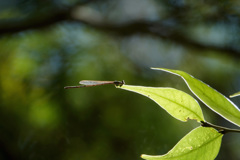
143, 156
118, 86
234, 95
154, 68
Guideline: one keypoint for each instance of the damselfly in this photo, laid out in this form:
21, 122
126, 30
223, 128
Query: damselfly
91, 83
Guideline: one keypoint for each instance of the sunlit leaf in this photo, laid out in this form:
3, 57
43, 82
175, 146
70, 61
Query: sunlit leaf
177, 103
202, 143
235, 95
212, 98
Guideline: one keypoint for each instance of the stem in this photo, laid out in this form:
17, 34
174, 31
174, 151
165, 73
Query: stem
220, 129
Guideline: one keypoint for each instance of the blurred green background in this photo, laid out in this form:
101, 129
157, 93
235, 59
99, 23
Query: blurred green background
48, 44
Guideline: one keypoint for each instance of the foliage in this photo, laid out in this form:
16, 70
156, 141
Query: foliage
201, 143
213, 99
45, 45
177, 103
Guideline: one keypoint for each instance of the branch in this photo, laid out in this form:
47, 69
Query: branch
220, 129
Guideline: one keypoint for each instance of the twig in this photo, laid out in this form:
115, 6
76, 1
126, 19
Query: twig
220, 129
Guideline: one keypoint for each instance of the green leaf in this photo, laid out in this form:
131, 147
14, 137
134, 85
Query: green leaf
212, 98
235, 95
177, 103
202, 143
